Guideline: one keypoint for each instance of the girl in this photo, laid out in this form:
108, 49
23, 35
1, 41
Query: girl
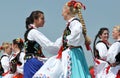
34, 40
114, 55
5, 59
17, 60
70, 61
100, 49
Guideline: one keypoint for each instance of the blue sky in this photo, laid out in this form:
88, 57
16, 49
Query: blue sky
98, 13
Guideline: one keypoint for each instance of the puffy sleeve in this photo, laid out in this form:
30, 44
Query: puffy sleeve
21, 59
102, 49
5, 63
46, 44
76, 37
112, 52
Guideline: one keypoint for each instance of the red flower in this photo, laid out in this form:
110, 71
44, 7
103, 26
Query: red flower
1, 47
76, 4
71, 3
21, 40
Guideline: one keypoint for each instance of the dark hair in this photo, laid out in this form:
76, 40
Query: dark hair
100, 32
33, 15
19, 42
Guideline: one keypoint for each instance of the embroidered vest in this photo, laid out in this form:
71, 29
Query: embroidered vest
30, 46
96, 53
66, 33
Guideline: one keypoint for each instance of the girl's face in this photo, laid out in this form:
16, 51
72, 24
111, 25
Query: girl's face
14, 46
105, 35
40, 21
115, 33
8, 50
65, 12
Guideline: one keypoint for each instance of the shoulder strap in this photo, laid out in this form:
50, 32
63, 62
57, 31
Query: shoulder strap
117, 57
26, 34
73, 20
104, 43
17, 58
18, 55
1, 68
2, 56
76, 19
118, 41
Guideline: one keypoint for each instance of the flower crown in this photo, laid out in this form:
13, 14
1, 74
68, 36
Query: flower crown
76, 4
19, 40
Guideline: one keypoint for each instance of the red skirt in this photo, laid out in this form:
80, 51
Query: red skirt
92, 72
18, 76
118, 75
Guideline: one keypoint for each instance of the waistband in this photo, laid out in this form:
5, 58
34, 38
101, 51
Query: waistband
114, 64
29, 56
74, 46
32, 55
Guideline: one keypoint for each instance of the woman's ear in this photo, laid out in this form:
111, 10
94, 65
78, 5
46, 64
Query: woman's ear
68, 11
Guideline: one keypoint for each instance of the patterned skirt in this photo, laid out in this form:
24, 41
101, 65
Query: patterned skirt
71, 65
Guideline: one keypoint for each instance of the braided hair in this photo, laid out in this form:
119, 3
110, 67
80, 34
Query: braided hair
75, 9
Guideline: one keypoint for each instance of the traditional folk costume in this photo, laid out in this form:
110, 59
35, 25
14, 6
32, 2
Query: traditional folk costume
100, 59
17, 64
6, 66
34, 40
114, 58
70, 61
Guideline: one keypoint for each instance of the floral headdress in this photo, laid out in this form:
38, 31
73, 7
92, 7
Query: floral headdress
1, 47
19, 40
75, 4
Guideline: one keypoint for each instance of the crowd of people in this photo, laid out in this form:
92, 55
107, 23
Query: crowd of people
23, 58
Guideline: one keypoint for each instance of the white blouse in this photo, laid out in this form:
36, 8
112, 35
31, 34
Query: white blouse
48, 47
102, 49
5, 62
21, 59
113, 51
76, 37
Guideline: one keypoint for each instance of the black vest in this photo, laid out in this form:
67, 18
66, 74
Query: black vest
96, 53
30, 46
66, 33
117, 57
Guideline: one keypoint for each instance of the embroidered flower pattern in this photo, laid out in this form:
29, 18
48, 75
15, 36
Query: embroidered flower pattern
43, 76
69, 66
66, 33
